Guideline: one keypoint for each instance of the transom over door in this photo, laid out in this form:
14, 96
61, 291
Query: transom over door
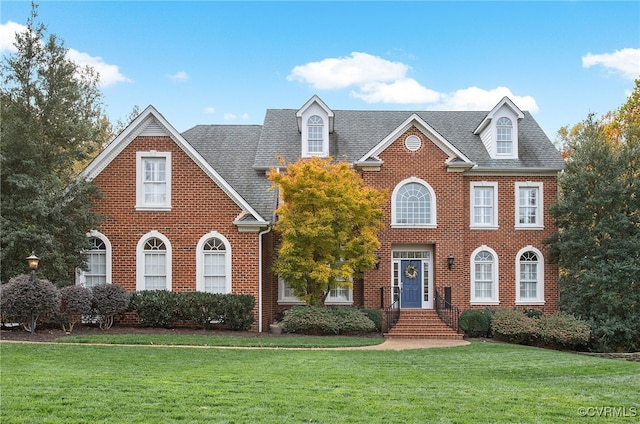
411, 278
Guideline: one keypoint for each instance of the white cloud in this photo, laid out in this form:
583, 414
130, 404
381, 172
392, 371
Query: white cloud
245, 116
209, 110
377, 80
229, 116
625, 61
179, 76
474, 98
357, 69
109, 74
8, 36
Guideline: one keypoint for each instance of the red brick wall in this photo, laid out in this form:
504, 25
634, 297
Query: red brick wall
453, 235
199, 206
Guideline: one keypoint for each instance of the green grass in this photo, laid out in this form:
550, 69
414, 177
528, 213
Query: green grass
478, 383
226, 341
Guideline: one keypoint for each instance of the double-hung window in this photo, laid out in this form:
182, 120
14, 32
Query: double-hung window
153, 185
529, 205
315, 132
504, 136
484, 276
484, 205
530, 276
153, 259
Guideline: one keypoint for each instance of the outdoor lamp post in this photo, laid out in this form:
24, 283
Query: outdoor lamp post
33, 261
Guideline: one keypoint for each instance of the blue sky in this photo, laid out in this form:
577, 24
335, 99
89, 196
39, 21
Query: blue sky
209, 62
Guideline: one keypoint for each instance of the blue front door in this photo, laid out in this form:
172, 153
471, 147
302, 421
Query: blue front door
411, 278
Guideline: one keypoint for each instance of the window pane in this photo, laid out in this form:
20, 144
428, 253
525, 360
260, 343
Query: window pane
483, 205
528, 205
413, 204
155, 180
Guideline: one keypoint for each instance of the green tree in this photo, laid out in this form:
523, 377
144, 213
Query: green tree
51, 123
598, 216
329, 222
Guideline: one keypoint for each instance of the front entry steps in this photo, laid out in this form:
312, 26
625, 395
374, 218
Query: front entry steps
421, 324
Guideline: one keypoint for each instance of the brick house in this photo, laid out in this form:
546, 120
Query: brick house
465, 222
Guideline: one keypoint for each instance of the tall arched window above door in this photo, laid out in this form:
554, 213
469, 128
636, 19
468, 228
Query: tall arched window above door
413, 204
213, 264
153, 262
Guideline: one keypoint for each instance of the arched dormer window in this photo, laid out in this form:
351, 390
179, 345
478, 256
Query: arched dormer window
315, 133
413, 204
504, 136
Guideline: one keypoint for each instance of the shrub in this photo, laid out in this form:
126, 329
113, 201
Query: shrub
237, 311
514, 326
326, 320
200, 307
374, 315
109, 300
75, 301
25, 301
476, 322
564, 330
155, 308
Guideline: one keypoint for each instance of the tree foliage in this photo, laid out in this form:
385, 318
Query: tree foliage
598, 216
52, 122
328, 220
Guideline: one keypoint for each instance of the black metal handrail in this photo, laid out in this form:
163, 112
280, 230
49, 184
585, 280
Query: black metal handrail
390, 308
448, 313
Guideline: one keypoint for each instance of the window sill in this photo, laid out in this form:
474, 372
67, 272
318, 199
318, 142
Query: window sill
428, 226
291, 302
482, 302
486, 227
153, 208
530, 302
532, 227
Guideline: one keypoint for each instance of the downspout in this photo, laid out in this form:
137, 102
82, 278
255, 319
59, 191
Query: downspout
260, 278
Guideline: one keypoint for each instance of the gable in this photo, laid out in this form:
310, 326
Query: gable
151, 123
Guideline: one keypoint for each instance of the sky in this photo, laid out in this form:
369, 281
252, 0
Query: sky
212, 62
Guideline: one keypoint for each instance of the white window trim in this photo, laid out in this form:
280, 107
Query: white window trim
315, 110
293, 300
340, 300
494, 225
514, 135
539, 300
434, 217
495, 299
539, 207
140, 203
200, 261
140, 258
80, 273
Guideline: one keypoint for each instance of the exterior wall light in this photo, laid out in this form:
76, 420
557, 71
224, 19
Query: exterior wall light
450, 260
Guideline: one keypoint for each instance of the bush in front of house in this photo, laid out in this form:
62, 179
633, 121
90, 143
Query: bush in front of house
326, 320
514, 326
476, 322
563, 330
237, 311
20, 299
75, 301
200, 307
155, 308
108, 301
374, 315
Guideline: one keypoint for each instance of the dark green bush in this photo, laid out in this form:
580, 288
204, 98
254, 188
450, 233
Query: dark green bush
533, 313
326, 320
514, 326
108, 301
20, 299
201, 308
476, 322
155, 308
374, 315
75, 302
564, 330
238, 311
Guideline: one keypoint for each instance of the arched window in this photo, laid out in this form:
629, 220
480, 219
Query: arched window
484, 276
530, 276
98, 262
315, 128
153, 262
413, 204
213, 264
504, 136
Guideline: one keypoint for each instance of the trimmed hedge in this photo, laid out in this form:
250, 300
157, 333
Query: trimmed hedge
109, 300
326, 320
75, 302
20, 299
155, 308
233, 310
564, 330
513, 326
476, 322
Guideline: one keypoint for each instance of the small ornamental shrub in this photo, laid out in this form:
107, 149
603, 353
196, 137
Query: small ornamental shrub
155, 308
564, 330
476, 322
533, 313
238, 311
25, 302
326, 320
108, 301
200, 307
514, 326
75, 301
374, 315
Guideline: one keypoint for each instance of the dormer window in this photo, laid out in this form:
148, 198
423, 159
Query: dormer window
315, 127
504, 136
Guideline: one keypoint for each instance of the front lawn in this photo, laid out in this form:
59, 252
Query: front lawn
478, 383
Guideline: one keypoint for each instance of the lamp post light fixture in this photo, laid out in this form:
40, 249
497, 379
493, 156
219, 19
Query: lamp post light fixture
33, 261
450, 260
